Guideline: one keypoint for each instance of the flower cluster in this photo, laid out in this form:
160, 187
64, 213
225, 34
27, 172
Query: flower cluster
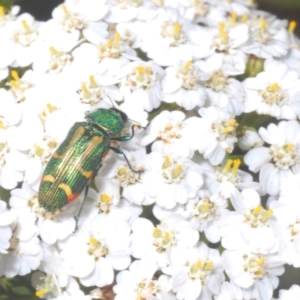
175, 217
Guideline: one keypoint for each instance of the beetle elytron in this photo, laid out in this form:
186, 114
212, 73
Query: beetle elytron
79, 157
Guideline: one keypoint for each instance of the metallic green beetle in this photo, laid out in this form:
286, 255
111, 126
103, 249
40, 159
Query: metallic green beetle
79, 157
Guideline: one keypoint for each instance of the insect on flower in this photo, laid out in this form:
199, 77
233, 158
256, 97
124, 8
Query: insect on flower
79, 157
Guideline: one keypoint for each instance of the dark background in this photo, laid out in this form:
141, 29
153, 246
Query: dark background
40, 9
287, 9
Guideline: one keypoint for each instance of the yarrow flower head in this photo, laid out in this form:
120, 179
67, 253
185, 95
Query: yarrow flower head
170, 133
258, 271
182, 84
281, 160
141, 84
149, 150
216, 133
271, 92
164, 242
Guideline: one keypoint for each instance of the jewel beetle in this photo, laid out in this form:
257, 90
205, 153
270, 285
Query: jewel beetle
79, 156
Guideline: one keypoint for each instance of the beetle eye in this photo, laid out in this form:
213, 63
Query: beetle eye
122, 114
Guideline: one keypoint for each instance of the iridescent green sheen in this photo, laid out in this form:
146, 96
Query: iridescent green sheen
111, 120
78, 158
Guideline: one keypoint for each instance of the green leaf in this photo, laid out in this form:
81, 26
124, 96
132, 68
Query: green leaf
21, 290
253, 120
254, 66
4, 194
6, 3
5, 283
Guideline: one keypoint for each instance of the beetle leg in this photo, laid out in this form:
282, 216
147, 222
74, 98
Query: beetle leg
119, 151
125, 138
85, 194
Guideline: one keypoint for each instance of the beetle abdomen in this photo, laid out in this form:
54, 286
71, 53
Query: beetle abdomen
72, 166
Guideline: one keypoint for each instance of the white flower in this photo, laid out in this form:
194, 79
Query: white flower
56, 284
114, 55
141, 84
286, 228
205, 211
93, 10
292, 58
101, 203
249, 225
281, 160
227, 42
198, 12
216, 134
52, 263
20, 87
249, 139
124, 11
292, 293
52, 59
76, 19
172, 134
198, 273
286, 222
6, 219
66, 24
24, 253
8, 16
93, 94
38, 145
107, 201
229, 291
130, 33
56, 225
23, 33
163, 243
267, 39
182, 85
228, 177
12, 162
271, 92
160, 213
6, 55
102, 246
131, 128
39, 155
254, 272
108, 195
138, 282
170, 37
138, 114
162, 193
84, 58
23, 200
10, 111
239, 7
133, 184
67, 18
175, 180
223, 92
49, 286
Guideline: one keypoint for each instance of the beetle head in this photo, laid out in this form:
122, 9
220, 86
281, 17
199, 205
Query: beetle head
110, 120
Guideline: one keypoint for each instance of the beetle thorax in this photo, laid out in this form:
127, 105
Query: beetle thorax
110, 121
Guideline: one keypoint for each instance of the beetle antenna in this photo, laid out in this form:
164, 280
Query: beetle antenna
139, 124
112, 103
